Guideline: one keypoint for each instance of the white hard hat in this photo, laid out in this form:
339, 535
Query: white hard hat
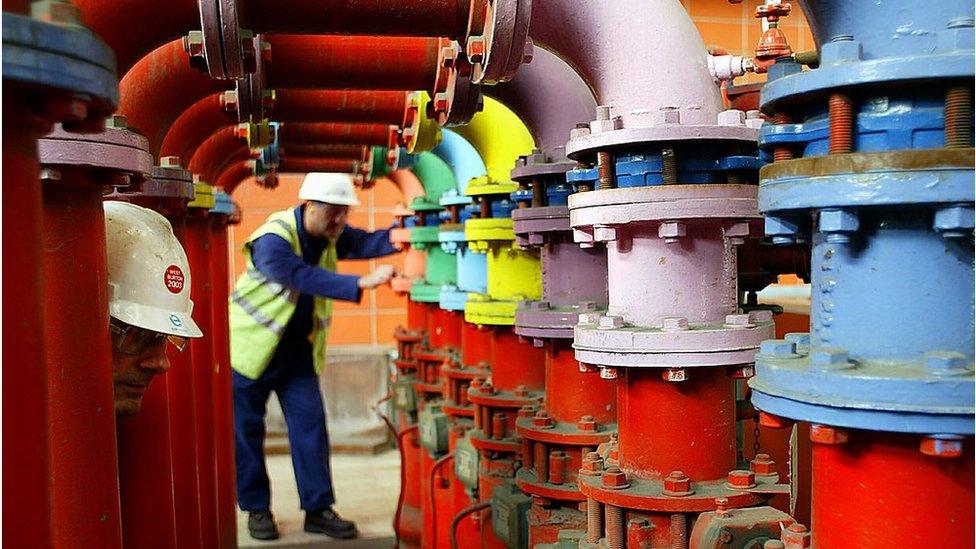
331, 188
148, 274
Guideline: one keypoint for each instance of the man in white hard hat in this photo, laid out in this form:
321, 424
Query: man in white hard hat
149, 299
279, 317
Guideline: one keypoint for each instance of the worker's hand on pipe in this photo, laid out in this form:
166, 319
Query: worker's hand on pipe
378, 277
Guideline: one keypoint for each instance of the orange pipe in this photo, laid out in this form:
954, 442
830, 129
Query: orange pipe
330, 133
352, 62
334, 150
372, 17
350, 106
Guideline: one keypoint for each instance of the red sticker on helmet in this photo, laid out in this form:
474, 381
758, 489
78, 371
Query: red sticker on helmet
174, 279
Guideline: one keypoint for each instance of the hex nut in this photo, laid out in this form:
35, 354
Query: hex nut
586, 423
741, 479
610, 322
943, 446
830, 358
838, 221
614, 479
677, 484
542, 420
475, 48
592, 464
671, 230
777, 348
947, 363
824, 434
738, 321
731, 117
763, 465
589, 319
609, 373
674, 324
799, 338
760, 316
667, 115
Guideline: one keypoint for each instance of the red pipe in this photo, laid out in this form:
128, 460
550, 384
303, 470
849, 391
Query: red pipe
445, 328
408, 522
223, 401
305, 165
234, 175
335, 150
321, 133
515, 362
198, 251
369, 17
220, 150
85, 508
353, 62
26, 448
159, 88
350, 106
571, 394
194, 126
115, 23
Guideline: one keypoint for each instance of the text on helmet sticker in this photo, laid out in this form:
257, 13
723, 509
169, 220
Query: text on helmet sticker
174, 279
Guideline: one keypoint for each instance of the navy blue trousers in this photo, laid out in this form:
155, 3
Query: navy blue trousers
292, 377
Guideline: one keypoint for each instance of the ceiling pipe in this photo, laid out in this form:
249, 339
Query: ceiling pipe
235, 174
195, 125
333, 150
638, 56
305, 165
218, 151
367, 17
333, 133
350, 106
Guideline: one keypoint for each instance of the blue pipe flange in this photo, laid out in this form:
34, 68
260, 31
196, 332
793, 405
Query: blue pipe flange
641, 170
65, 57
933, 394
222, 203
453, 298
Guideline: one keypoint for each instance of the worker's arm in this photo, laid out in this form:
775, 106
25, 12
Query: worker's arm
356, 243
274, 258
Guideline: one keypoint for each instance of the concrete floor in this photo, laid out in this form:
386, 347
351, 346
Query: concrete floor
367, 487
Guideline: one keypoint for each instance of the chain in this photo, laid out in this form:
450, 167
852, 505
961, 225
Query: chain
755, 434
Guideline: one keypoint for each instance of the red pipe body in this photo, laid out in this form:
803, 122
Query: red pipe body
571, 394
223, 398
352, 62
216, 153
444, 328
198, 252
205, 118
475, 344
410, 519
859, 484
321, 133
234, 175
416, 315
350, 106
469, 530
26, 438
113, 23
305, 165
159, 88
340, 150
367, 17
515, 362
85, 508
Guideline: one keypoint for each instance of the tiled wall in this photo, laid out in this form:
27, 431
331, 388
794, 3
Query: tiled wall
730, 26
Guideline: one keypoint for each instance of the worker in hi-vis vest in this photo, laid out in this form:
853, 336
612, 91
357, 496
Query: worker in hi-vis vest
279, 317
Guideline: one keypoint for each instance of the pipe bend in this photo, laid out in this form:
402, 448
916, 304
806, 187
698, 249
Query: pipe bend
194, 126
639, 56
217, 152
234, 175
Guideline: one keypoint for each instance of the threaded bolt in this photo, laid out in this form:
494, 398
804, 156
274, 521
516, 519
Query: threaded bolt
604, 164
679, 531
841, 124
782, 152
538, 193
615, 527
959, 118
594, 520
669, 170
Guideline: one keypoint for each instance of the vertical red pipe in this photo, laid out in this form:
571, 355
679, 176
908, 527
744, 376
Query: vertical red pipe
85, 508
198, 251
183, 426
26, 473
515, 362
571, 394
223, 400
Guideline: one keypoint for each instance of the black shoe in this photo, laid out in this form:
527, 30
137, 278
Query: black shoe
329, 523
261, 525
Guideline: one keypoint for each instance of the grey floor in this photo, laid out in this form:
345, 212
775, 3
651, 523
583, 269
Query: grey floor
366, 486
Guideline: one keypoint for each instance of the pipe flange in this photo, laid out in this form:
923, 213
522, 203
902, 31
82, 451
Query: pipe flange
531, 224
606, 340
524, 170
609, 132
254, 101
169, 180
931, 394
454, 98
61, 56
650, 494
706, 203
504, 43
222, 47
886, 178
117, 150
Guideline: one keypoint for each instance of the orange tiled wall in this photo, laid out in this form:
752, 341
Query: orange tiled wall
731, 26
373, 320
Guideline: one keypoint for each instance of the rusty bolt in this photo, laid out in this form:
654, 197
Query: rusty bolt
763, 465
675, 375
796, 536
742, 372
170, 162
824, 434
774, 544
542, 420
609, 373
440, 102
773, 421
592, 464
487, 388
475, 48
193, 43
243, 130
586, 423
228, 101
614, 479
586, 368
521, 391
526, 411
674, 324
721, 506
528, 52
677, 484
944, 446
740, 479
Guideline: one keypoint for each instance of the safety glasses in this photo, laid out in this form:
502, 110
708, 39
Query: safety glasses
131, 340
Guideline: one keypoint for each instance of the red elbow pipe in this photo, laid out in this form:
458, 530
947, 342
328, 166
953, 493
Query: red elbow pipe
115, 23
352, 62
321, 133
217, 152
305, 165
349, 106
194, 126
159, 88
365, 17
234, 175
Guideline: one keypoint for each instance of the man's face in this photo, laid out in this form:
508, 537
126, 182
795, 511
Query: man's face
131, 375
325, 220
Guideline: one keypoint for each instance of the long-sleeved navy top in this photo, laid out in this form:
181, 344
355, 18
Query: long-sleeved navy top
274, 258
